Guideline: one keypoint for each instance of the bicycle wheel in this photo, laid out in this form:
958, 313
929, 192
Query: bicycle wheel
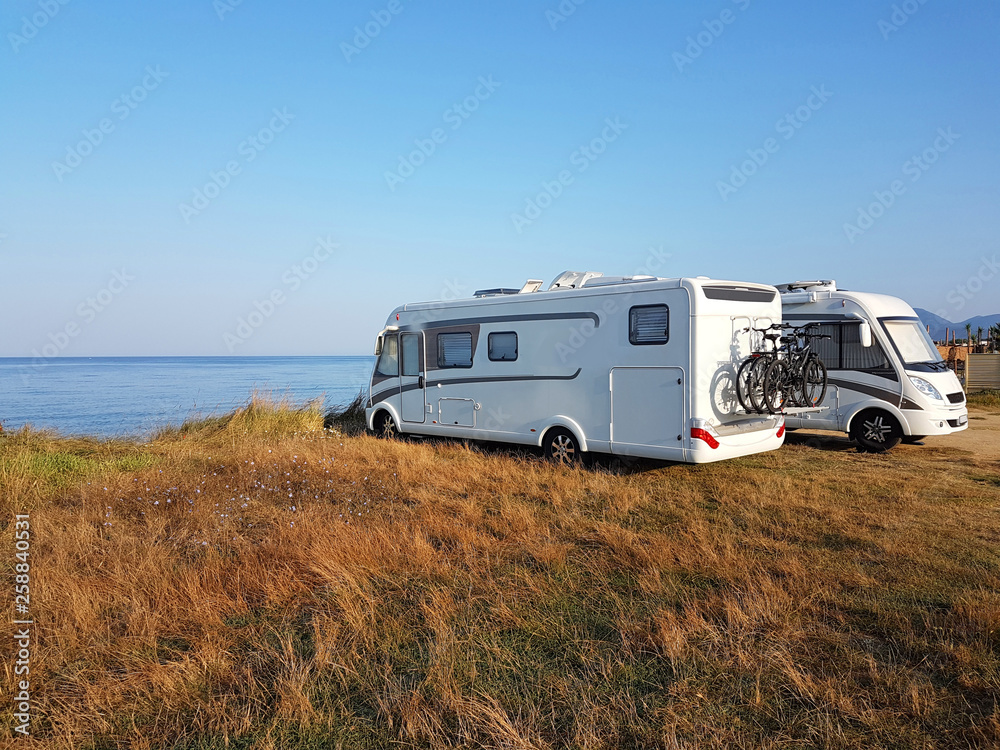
755, 384
776, 386
742, 383
813, 382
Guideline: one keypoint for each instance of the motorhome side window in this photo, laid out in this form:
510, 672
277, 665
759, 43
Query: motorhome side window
454, 349
843, 350
648, 324
503, 347
388, 360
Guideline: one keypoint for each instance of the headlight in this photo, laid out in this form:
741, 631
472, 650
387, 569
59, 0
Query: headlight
925, 388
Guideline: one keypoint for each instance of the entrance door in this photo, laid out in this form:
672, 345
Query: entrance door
411, 377
647, 411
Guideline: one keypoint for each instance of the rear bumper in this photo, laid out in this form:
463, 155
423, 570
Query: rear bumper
709, 442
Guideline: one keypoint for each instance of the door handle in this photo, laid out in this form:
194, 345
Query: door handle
420, 381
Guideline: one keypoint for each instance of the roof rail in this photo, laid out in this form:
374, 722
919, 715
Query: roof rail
494, 292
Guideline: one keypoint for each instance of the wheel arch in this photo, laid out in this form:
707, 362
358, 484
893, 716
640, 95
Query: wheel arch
567, 424
373, 412
873, 405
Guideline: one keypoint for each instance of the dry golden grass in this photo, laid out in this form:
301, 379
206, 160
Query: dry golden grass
257, 582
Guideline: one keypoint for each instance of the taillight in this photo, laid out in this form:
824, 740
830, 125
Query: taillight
781, 430
700, 434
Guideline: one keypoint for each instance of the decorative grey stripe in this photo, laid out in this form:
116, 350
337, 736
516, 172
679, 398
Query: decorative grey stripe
503, 379
383, 395
871, 390
501, 319
907, 404
737, 294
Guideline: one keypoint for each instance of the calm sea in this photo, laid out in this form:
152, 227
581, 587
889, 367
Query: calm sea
132, 396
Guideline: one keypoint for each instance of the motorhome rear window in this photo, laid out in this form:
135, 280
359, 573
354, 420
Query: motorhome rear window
454, 349
738, 294
648, 324
503, 346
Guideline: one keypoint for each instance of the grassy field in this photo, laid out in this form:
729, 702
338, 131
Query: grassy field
257, 581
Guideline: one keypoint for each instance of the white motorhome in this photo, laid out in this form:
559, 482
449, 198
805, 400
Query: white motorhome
887, 381
634, 366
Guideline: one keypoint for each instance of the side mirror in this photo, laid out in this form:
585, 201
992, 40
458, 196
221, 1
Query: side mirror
866, 334
378, 346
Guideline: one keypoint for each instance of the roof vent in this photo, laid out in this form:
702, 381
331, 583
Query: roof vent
573, 279
531, 285
811, 286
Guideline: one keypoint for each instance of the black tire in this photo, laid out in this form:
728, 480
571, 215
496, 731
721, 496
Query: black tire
562, 447
775, 378
756, 384
813, 383
385, 426
876, 431
743, 384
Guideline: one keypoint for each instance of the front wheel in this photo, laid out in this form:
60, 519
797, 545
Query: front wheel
876, 431
385, 426
562, 447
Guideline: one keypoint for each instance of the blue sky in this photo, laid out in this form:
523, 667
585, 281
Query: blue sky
743, 137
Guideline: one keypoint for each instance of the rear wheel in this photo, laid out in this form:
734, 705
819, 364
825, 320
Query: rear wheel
774, 390
385, 426
876, 431
562, 447
743, 384
813, 383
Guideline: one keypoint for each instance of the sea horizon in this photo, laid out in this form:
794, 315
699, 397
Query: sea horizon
134, 396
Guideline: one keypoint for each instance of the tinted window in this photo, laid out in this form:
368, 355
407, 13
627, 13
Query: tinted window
411, 354
388, 361
843, 350
454, 349
503, 347
648, 324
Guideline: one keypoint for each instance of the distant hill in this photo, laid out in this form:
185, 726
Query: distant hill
939, 325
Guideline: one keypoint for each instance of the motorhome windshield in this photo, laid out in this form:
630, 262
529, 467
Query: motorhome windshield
912, 342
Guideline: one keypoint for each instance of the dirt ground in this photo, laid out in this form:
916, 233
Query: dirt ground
982, 438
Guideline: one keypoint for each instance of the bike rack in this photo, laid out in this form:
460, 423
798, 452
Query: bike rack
804, 409
790, 411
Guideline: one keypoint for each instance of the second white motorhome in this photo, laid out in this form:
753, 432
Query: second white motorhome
887, 381
633, 366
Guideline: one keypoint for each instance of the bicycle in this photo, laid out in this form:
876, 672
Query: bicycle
750, 376
799, 378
